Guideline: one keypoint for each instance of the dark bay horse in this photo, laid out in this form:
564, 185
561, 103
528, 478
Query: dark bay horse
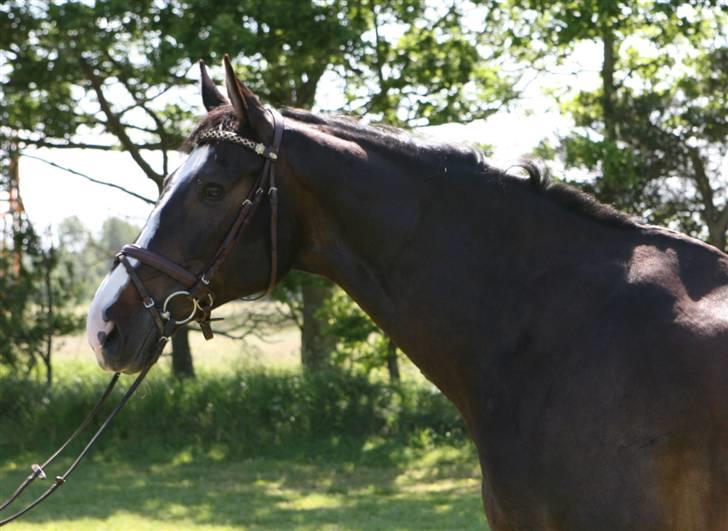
587, 353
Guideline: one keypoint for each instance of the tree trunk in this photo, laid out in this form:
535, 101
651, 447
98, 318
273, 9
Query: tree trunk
182, 355
49, 316
608, 90
716, 233
15, 208
392, 363
316, 346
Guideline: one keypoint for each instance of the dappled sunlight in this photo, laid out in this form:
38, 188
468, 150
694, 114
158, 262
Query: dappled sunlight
260, 494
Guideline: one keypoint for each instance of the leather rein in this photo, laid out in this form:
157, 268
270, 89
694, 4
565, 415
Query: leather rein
196, 289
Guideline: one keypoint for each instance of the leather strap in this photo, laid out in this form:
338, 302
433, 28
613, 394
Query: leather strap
147, 299
160, 263
198, 286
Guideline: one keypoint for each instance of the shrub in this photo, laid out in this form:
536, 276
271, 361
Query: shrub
244, 414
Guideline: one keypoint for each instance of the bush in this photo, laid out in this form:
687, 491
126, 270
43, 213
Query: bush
245, 414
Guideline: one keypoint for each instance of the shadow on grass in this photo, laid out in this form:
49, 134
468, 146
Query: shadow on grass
431, 490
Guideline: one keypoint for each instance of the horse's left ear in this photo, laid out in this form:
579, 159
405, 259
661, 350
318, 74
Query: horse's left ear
211, 97
248, 107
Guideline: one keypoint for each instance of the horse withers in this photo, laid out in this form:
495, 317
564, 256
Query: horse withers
587, 353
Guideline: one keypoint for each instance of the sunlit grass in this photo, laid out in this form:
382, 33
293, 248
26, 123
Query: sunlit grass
381, 484
432, 489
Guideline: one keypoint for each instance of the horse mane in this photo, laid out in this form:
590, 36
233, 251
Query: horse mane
574, 199
394, 138
397, 140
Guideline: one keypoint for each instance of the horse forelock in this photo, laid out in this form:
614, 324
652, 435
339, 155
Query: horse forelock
220, 117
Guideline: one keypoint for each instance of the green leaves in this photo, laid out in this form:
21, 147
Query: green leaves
36, 287
112, 74
652, 136
424, 66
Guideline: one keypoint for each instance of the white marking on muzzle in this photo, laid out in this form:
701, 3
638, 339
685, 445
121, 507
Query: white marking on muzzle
97, 329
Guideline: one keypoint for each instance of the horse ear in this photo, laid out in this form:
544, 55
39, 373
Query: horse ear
211, 97
248, 107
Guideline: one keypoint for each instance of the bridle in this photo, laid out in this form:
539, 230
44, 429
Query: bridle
196, 289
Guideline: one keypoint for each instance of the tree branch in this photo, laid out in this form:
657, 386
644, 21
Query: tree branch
95, 181
141, 102
379, 61
702, 181
162, 132
116, 127
59, 145
253, 324
77, 145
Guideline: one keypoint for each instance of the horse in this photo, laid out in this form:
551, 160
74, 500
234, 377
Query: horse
587, 352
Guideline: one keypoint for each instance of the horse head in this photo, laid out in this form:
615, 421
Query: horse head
216, 233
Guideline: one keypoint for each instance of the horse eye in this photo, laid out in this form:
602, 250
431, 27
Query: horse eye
213, 191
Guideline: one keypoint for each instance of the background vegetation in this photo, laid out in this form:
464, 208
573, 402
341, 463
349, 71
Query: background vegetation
649, 136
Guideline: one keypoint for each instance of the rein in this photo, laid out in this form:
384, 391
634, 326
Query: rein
38, 471
196, 289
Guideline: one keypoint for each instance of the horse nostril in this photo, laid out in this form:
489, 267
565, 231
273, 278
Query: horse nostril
109, 341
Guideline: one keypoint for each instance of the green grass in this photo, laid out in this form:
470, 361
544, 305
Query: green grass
209, 471
433, 489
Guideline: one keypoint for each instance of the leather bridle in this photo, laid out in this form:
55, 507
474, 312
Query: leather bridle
197, 287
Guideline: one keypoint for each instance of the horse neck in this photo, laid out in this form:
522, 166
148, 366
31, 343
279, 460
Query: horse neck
429, 251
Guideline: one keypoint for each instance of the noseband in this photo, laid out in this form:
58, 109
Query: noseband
197, 287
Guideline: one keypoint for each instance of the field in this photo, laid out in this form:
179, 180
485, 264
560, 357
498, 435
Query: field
435, 490
376, 483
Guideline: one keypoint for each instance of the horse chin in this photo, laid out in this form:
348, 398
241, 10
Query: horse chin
144, 354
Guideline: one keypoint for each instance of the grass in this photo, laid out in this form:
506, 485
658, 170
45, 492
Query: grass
327, 484
433, 489
280, 349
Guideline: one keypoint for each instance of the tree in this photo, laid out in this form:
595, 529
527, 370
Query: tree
92, 253
359, 342
111, 76
35, 287
423, 64
63, 59
654, 133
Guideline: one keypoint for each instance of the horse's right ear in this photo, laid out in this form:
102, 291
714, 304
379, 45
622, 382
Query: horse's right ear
211, 97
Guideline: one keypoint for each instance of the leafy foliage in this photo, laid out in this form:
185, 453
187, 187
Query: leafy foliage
36, 285
93, 253
421, 64
112, 75
654, 134
360, 344
246, 414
